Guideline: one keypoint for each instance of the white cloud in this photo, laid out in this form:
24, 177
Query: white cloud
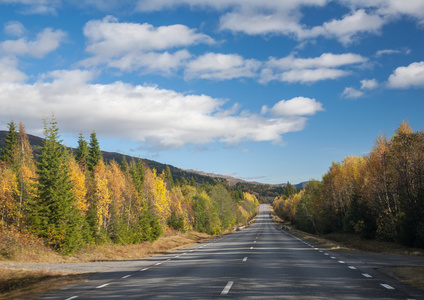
352, 93
298, 106
349, 27
391, 8
326, 60
369, 84
130, 46
307, 70
391, 52
14, 28
221, 66
9, 72
407, 77
46, 41
36, 6
311, 75
285, 17
148, 114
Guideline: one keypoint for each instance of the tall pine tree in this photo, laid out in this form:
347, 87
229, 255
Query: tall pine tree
11, 141
81, 153
94, 152
54, 215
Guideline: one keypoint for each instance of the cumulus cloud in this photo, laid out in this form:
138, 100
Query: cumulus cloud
131, 46
349, 27
308, 70
36, 6
221, 66
352, 93
407, 77
9, 72
369, 84
298, 106
285, 17
391, 8
14, 28
46, 41
162, 117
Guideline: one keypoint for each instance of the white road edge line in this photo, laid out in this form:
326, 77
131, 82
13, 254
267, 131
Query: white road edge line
102, 286
227, 288
389, 287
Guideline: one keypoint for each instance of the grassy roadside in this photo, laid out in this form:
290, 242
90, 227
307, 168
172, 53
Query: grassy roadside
413, 276
26, 284
29, 284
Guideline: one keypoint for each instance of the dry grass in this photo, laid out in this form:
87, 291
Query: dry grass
26, 284
411, 275
25, 247
29, 284
112, 252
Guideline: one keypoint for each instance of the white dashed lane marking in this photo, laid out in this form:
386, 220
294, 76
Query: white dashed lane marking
389, 287
227, 288
102, 286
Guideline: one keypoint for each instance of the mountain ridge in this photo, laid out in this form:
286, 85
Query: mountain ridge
177, 173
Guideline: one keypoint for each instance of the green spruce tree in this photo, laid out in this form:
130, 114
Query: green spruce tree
124, 165
137, 175
81, 153
11, 144
53, 214
168, 176
94, 152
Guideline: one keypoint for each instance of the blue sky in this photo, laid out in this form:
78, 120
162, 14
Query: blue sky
269, 91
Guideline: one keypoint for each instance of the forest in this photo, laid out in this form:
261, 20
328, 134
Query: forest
71, 198
376, 196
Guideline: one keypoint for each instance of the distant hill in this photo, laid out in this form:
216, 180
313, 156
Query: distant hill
234, 181
265, 192
177, 173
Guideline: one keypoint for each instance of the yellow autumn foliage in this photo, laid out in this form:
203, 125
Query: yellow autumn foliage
8, 190
102, 194
79, 188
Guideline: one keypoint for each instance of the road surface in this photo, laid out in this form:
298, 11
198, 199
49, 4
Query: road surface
259, 262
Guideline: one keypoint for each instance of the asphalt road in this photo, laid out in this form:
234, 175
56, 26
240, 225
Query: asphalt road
260, 262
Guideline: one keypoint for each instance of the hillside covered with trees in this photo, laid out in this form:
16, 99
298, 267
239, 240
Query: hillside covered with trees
72, 198
379, 195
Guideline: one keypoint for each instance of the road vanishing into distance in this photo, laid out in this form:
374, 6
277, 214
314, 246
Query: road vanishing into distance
259, 262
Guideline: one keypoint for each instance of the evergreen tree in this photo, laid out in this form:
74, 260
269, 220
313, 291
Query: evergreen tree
54, 216
137, 175
168, 176
124, 165
11, 141
81, 153
94, 152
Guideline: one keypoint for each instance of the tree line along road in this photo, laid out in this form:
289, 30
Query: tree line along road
259, 262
